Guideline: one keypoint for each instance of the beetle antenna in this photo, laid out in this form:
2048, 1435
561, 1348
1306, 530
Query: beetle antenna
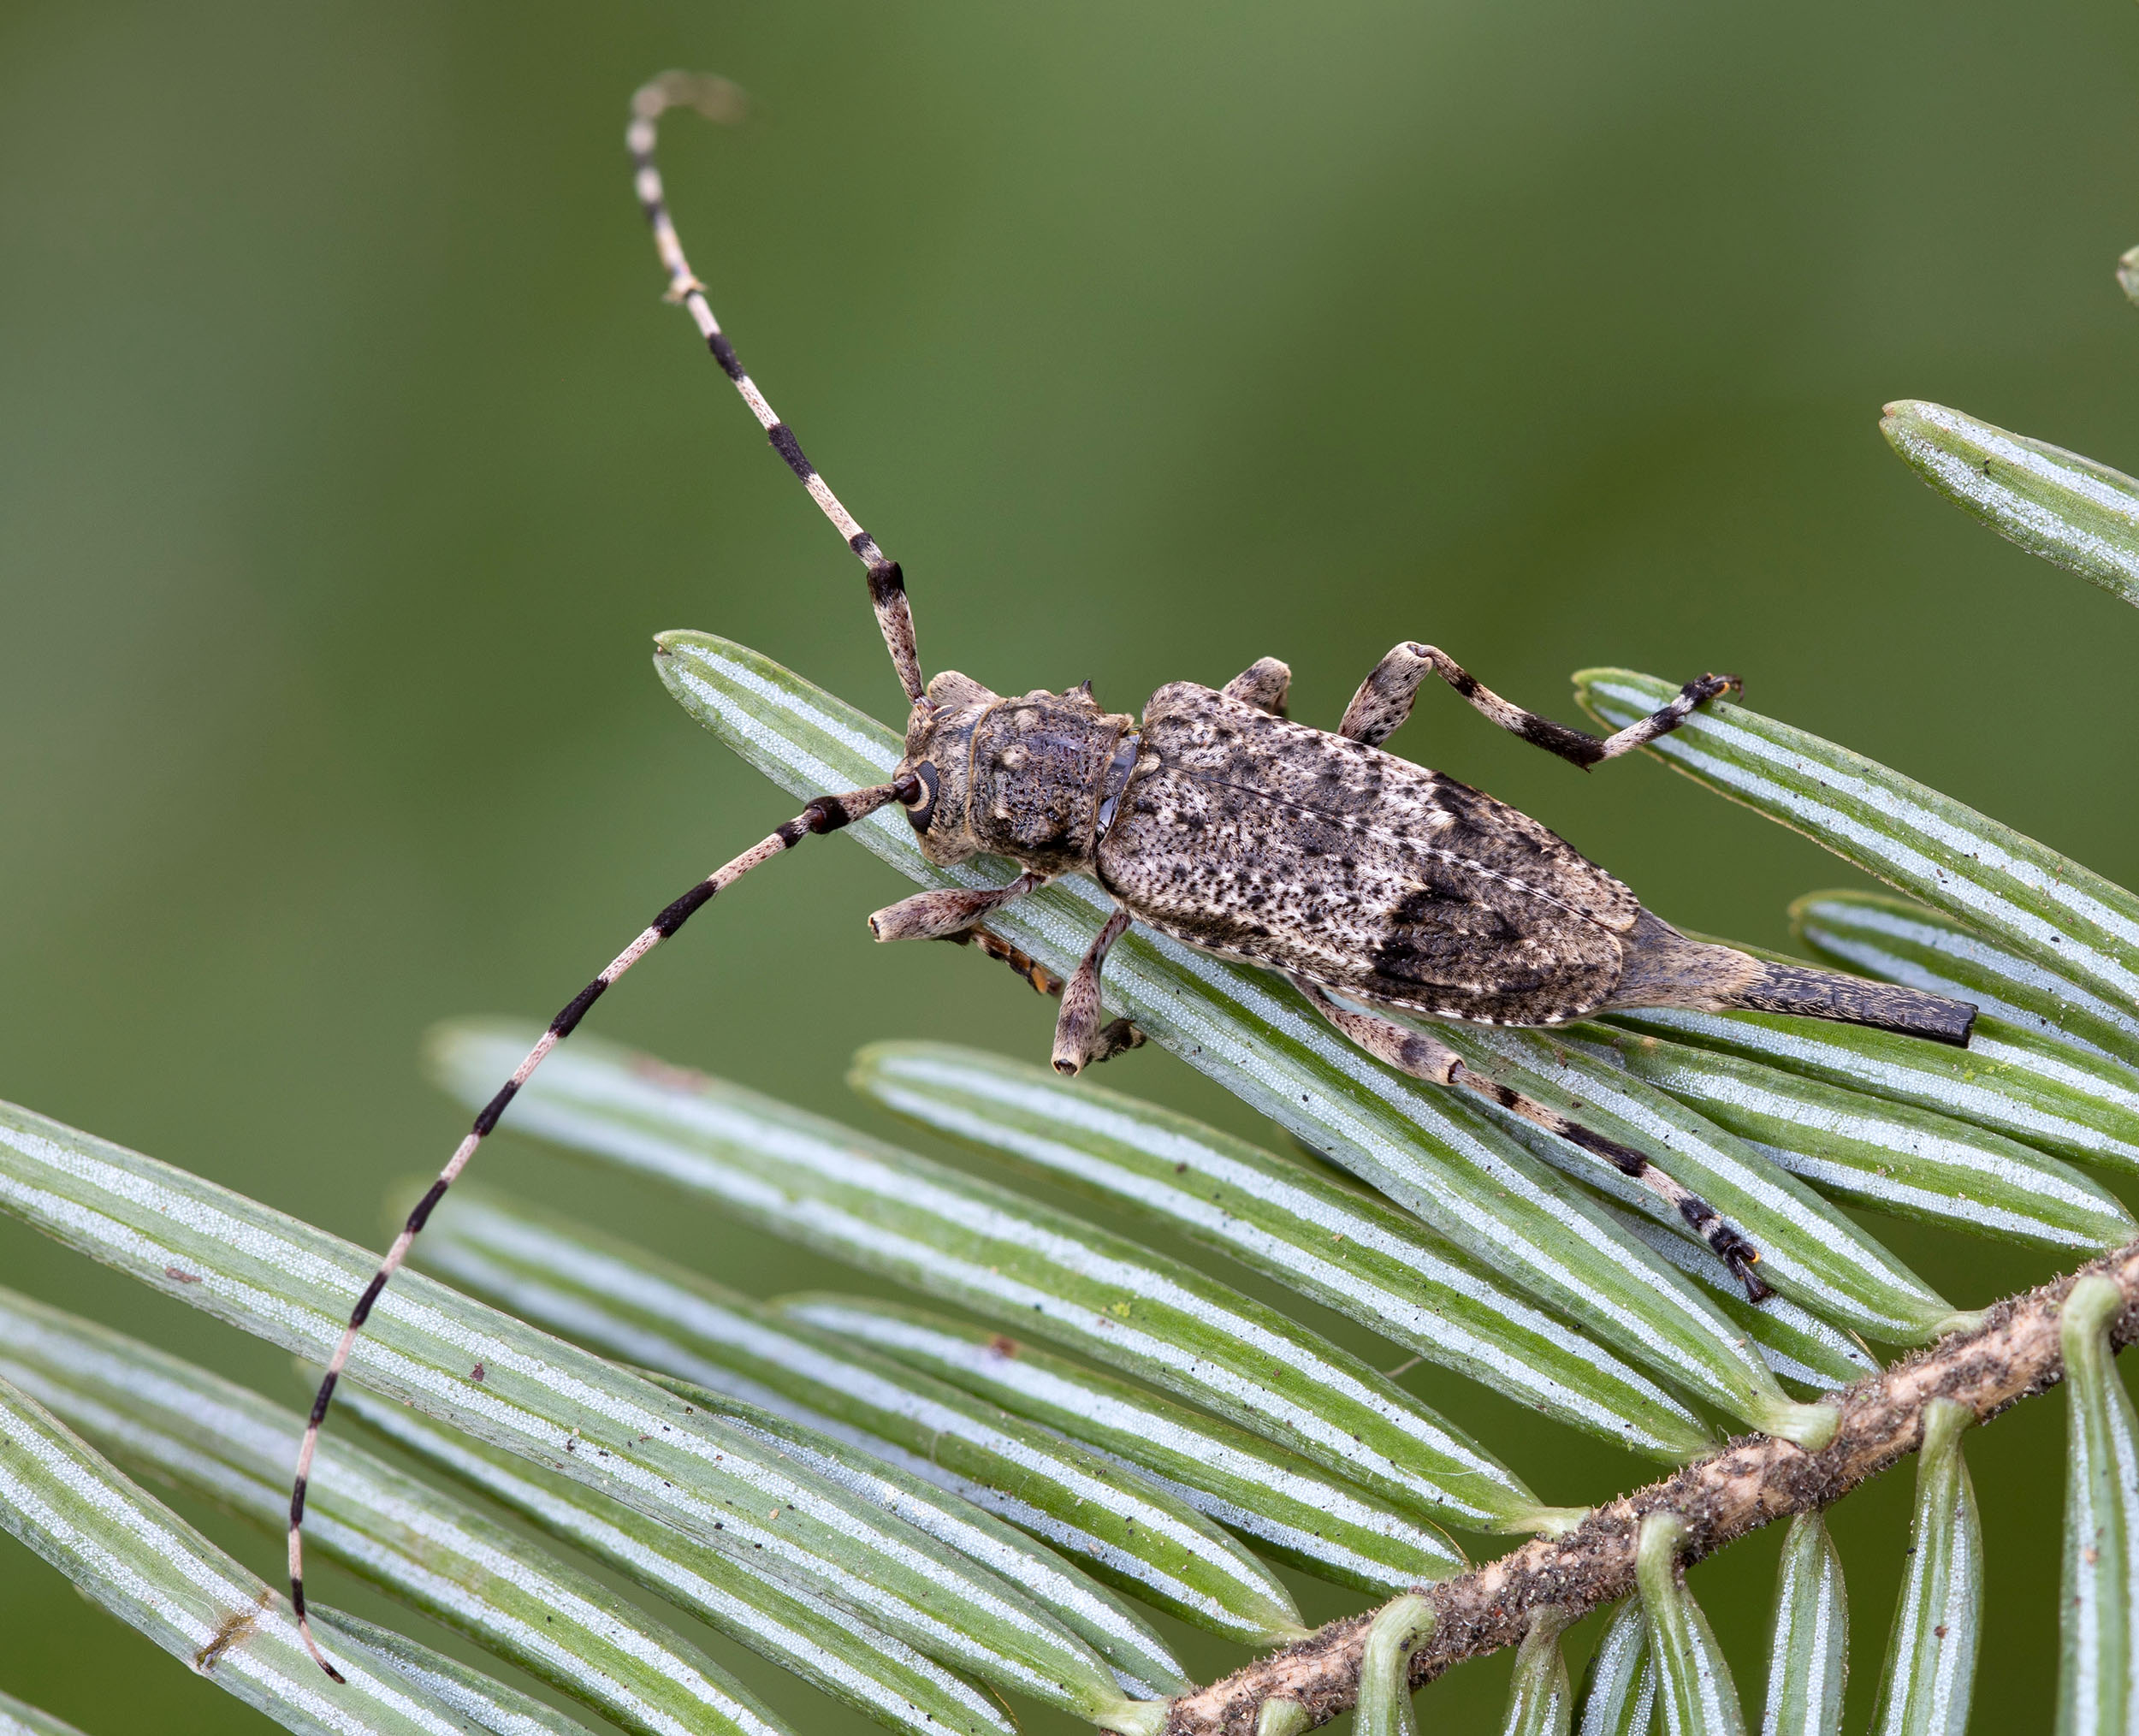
825, 814
719, 100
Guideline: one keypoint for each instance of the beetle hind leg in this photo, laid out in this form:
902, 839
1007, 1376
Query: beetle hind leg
1423, 1057
1384, 700
1406, 1050
1724, 1239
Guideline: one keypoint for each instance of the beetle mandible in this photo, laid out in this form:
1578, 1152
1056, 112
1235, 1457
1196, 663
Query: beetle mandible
1374, 885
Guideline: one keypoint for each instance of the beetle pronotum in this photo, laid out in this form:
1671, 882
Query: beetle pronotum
1371, 883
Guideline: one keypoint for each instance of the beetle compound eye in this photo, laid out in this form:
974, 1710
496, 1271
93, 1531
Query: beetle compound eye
920, 811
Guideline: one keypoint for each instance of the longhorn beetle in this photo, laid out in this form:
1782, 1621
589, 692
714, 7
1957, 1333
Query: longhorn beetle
1367, 881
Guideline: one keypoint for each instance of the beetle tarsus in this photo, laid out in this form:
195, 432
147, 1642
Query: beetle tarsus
1741, 1257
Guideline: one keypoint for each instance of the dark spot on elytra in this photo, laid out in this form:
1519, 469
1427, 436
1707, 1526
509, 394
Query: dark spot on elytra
1428, 902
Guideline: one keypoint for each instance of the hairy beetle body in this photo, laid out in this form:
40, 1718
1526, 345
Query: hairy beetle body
1225, 826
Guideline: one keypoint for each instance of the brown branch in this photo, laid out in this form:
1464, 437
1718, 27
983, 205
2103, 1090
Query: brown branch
1755, 1479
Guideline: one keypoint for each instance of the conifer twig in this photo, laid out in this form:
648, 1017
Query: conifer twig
2014, 1354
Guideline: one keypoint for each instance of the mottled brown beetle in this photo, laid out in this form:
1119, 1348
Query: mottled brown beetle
1214, 819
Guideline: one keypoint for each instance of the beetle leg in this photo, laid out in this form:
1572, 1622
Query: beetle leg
1116, 1037
1406, 1050
1042, 979
937, 915
1077, 1033
1414, 1052
1384, 701
1264, 685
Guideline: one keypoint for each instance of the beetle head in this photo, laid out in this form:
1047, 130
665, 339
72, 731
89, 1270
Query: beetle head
939, 754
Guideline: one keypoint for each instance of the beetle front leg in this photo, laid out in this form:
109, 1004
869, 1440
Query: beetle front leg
936, 915
1384, 700
1264, 685
1414, 1052
1079, 1039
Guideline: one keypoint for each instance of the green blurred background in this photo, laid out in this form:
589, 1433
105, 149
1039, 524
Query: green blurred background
348, 457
